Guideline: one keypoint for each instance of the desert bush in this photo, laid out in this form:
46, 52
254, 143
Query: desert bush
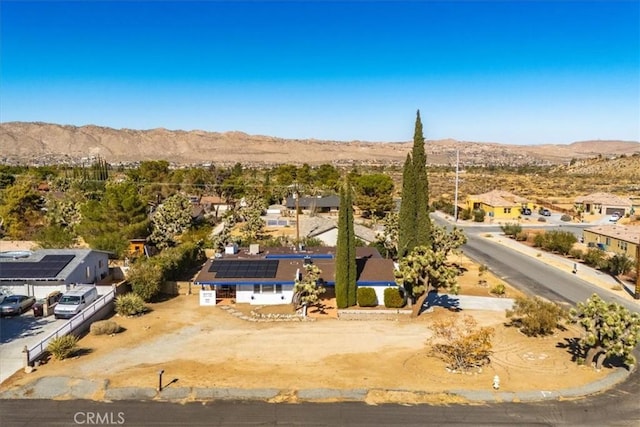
555, 241
565, 218
145, 279
63, 347
535, 316
619, 264
595, 258
523, 236
461, 343
511, 229
104, 327
498, 289
465, 214
478, 215
542, 219
367, 297
130, 304
393, 298
576, 253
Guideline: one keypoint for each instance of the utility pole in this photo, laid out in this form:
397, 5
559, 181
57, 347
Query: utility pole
636, 295
297, 217
455, 202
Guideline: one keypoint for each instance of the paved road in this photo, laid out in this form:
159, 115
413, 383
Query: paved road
618, 407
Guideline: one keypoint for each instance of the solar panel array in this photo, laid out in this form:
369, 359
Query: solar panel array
226, 269
48, 267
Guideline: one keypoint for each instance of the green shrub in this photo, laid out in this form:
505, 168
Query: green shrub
595, 258
498, 289
130, 304
535, 316
393, 298
555, 241
523, 236
478, 215
104, 327
465, 214
619, 264
511, 229
63, 347
576, 253
367, 297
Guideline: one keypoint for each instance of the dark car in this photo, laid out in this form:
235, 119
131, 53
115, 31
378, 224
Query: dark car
526, 211
16, 304
545, 212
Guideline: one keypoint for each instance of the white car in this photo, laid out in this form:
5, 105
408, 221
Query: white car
614, 217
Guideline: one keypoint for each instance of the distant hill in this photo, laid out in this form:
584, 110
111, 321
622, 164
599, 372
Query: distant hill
45, 143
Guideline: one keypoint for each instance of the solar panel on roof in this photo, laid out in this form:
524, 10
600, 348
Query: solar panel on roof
48, 267
231, 269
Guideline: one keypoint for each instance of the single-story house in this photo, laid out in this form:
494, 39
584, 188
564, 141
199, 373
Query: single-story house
619, 239
268, 276
324, 204
38, 273
498, 204
326, 230
603, 204
215, 205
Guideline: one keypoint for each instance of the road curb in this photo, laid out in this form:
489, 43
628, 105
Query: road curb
77, 388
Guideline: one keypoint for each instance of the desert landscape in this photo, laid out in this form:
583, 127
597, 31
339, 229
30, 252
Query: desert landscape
45, 143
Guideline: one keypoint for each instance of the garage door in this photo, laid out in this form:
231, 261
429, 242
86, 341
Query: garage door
611, 211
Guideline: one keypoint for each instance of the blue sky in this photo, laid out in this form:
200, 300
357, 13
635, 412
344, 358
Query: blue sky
512, 72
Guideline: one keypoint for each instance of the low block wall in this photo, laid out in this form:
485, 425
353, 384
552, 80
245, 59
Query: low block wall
381, 314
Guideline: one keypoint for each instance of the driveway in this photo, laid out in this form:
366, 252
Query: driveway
17, 332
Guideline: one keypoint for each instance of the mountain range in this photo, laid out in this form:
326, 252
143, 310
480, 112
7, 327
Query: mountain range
45, 143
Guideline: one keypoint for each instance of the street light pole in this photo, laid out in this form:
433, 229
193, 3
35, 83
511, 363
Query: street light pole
455, 202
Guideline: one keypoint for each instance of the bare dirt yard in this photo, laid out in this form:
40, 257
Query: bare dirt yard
209, 347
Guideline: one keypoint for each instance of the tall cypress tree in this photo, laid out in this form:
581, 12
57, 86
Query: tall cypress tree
352, 296
346, 292
414, 222
407, 218
423, 222
342, 254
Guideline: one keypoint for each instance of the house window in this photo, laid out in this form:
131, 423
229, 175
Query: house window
507, 210
622, 245
88, 272
267, 289
607, 241
99, 263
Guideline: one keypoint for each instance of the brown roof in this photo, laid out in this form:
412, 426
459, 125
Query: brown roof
629, 234
604, 199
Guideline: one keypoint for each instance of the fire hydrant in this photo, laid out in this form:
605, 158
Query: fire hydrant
496, 382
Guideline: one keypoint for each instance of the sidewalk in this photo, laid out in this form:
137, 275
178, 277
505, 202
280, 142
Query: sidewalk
586, 273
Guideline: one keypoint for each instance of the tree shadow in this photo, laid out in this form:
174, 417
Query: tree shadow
440, 300
574, 348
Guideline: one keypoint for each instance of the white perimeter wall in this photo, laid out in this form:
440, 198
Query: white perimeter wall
248, 297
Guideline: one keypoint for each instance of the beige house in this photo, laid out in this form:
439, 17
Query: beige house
619, 239
603, 204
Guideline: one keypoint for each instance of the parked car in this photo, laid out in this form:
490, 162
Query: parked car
2, 296
545, 212
526, 211
614, 217
16, 304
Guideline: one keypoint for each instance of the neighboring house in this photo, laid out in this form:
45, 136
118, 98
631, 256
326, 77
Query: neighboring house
41, 272
326, 230
268, 276
603, 204
325, 204
498, 204
619, 239
215, 205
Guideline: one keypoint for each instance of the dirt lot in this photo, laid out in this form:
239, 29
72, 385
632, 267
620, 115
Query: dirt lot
208, 347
